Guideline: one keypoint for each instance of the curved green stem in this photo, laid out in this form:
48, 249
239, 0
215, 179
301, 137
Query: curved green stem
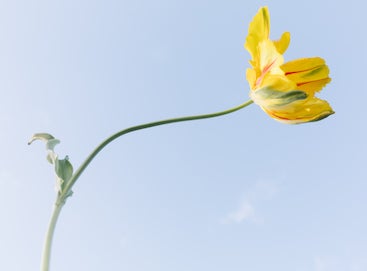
61, 198
80, 170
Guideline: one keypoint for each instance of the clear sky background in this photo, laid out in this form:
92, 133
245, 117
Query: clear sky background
239, 192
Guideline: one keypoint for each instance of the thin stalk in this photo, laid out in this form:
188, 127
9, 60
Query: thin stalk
67, 189
46, 253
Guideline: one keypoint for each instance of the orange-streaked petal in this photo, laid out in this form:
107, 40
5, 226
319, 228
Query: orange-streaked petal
310, 74
313, 109
270, 58
314, 86
314, 74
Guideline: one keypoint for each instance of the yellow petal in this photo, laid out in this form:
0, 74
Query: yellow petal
312, 109
278, 82
270, 58
310, 74
258, 31
283, 43
268, 62
314, 86
302, 64
251, 77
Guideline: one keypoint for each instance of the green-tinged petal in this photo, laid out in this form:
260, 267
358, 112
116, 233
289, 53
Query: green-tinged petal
278, 82
283, 43
313, 109
258, 31
270, 98
310, 74
315, 74
302, 64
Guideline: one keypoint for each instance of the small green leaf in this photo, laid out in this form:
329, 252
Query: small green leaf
63, 170
40, 136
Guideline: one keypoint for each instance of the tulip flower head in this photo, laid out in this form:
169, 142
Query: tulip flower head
285, 91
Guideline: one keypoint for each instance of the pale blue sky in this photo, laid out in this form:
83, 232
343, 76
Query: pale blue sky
240, 192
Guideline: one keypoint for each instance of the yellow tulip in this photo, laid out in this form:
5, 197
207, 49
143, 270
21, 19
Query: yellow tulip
286, 92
